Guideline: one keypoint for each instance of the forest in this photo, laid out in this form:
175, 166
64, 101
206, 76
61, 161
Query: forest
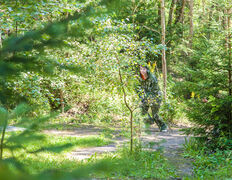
115, 89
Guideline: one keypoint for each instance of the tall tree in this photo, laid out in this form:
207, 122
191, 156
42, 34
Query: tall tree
159, 12
0, 39
179, 21
229, 58
180, 11
229, 12
210, 15
227, 27
203, 7
164, 65
191, 3
171, 10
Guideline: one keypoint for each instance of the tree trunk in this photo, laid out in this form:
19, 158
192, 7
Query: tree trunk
209, 21
229, 51
0, 39
159, 13
180, 17
2, 138
126, 103
164, 66
191, 3
170, 17
203, 7
180, 11
225, 26
16, 28
229, 12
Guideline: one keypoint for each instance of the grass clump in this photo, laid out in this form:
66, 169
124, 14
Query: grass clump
209, 164
140, 164
51, 152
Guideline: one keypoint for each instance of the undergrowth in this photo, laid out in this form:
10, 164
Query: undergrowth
140, 164
208, 164
51, 154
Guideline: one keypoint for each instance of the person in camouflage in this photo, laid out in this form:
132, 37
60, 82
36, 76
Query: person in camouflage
151, 97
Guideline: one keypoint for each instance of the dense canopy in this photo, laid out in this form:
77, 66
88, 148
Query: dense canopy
70, 65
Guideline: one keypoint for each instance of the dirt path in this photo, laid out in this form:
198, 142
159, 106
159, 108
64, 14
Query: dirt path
171, 142
13, 128
172, 145
84, 153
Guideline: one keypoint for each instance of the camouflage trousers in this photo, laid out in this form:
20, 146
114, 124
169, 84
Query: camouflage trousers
154, 117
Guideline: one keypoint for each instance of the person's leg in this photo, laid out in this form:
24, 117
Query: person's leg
145, 108
158, 120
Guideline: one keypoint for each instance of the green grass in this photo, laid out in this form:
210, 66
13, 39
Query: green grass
141, 164
50, 152
106, 130
209, 165
59, 143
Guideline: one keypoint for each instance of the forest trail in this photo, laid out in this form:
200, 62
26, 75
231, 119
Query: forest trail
170, 142
84, 153
172, 145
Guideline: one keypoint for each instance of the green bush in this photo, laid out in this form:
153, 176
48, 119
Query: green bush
213, 121
208, 164
168, 111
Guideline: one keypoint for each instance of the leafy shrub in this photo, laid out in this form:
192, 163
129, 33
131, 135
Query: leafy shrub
168, 111
208, 164
213, 121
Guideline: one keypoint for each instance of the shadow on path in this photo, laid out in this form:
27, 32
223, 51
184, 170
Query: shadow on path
171, 142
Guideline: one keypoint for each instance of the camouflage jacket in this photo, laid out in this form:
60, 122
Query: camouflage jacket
149, 89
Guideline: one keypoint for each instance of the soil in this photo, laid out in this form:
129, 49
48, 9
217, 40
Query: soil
13, 128
170, 142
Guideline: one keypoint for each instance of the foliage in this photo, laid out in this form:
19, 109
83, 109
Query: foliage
211, 119
139, 164
202, 73
208, 165
121, 164
63, 56
36, 156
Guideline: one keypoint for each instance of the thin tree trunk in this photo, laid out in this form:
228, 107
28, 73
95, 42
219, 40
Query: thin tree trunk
16, 28
180, 11
191, 3
227, 27
159, 12
2, 139
170, 17
203, 7
224, 25
16, 23
180, 5
0, 39
164, 66
209, 21
229, 50
229, 12
126, 103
